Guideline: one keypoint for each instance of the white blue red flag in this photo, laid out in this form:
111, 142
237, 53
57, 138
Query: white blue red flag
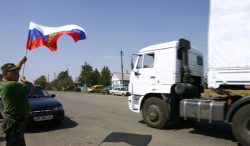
47, 36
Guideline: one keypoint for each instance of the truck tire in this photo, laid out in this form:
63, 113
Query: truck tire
154, 112
241, 125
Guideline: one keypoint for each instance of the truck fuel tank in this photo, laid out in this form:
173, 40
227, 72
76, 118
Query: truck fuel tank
201, 109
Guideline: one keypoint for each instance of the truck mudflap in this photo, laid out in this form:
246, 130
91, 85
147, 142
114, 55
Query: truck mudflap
201, 109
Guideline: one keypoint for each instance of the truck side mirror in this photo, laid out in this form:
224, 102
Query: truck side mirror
132, 64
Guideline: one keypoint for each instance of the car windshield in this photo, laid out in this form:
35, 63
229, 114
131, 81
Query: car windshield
39, 92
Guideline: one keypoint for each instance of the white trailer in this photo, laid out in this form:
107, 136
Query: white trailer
228, 43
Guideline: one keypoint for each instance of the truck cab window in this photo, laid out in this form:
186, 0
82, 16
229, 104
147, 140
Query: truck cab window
148, 61
139, 63
199, 61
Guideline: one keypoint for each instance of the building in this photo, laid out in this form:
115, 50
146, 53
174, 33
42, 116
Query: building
116, 80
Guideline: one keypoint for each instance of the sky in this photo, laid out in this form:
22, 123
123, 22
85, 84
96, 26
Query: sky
111, 26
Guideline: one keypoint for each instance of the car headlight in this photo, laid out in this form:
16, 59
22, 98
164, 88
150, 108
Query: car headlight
58, 108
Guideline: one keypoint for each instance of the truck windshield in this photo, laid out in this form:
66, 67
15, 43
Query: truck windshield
139, 63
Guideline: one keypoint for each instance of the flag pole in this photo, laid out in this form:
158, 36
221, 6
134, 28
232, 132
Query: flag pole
24, 63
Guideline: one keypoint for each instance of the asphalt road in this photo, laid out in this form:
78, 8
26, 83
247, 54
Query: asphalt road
105, 120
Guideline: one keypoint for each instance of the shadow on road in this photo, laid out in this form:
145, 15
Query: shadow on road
217, 130
131, 139
66, 124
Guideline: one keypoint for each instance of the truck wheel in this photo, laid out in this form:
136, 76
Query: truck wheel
154, 113
241, 125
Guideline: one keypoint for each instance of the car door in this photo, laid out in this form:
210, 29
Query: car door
117, 91
143, 74
114, 90
120, 91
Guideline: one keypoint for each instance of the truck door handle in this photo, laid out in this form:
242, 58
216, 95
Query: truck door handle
136, 73
152, 77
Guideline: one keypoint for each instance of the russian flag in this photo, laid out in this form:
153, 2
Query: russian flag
47, 36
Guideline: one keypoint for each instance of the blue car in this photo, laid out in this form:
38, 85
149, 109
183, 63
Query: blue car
44, 108
106, 90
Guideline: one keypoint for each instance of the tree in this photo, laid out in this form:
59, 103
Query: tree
41, 81
105, 77
63, 74
94, 77
86, 73
63, 80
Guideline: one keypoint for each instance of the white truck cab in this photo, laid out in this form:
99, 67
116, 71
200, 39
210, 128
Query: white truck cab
166, 83
158, 69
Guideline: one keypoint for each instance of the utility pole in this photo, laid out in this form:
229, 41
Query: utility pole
48, 78
85, 76
122, 68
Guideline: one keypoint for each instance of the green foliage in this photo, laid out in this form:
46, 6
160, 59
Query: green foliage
212, 93
41, 81
63, 81
94, 77
105, 77
85, 75
63, 74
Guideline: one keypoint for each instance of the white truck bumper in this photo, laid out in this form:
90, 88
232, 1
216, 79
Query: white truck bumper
134, 103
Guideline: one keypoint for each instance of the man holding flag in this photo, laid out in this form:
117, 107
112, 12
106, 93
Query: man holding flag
16, 104
13, 94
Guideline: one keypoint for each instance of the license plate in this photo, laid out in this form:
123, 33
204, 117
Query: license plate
43, 118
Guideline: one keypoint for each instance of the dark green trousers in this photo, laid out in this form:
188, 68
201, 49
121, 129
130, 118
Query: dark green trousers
14, 130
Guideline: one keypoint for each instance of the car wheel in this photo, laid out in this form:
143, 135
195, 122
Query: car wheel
106, 92
113, 94
123, 94
154, 112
